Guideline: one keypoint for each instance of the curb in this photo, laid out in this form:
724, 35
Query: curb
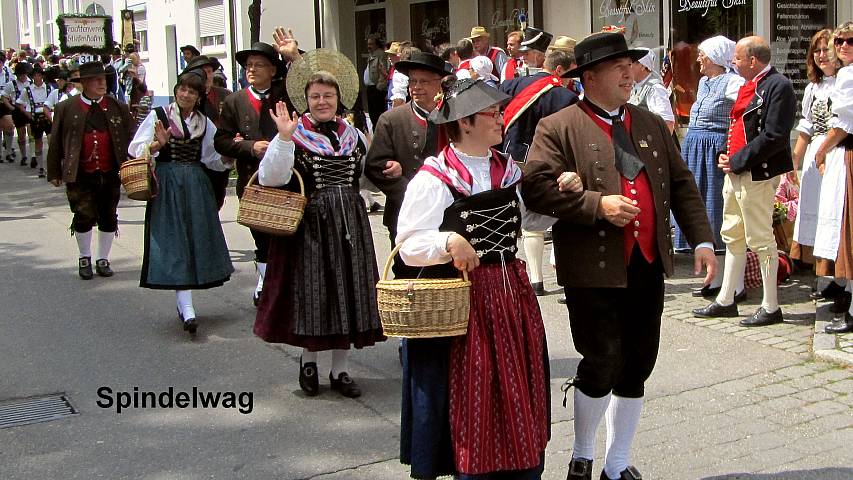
825, 345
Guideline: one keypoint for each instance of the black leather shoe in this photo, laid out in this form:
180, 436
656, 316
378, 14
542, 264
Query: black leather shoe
33, 162
761, 318
714, 309
309, 381
375, 207
538, 288
630, 473
843, 326
830, 292
84, 268
706, 291
562, 300
41, 173
740, 297
102, 267
190, 324
580, 469
24, 161
841, 303
345, 385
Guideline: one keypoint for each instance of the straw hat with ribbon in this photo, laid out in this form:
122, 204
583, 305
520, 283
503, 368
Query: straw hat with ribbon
322, 60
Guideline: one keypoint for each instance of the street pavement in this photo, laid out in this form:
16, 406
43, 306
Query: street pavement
723, 403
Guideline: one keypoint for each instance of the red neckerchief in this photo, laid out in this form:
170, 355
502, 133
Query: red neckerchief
497, 168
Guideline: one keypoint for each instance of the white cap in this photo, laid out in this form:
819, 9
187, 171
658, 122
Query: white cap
650, 60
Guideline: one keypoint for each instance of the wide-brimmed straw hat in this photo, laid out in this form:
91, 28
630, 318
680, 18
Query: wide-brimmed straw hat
394, 49
478, 32
264, 50
322, 60
466, 97
564, 44
600, 47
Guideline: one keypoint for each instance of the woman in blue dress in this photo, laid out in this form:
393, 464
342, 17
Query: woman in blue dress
184, 246
706, 138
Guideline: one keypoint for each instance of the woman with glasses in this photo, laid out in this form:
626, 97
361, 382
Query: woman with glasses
834, 159
475, 405
320, 286
821, 67
706, 137
184, 247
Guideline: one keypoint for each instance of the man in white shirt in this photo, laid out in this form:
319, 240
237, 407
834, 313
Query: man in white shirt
7, 126
649, 92
13, 91
32, 104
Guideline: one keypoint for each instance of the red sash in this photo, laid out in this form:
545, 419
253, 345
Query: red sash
527, 97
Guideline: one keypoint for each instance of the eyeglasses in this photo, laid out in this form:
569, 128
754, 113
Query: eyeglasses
326, 96
493, 115
841, 41
256, 66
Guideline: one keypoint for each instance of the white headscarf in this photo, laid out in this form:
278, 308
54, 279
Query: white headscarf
483, 66
719, 50
650, 61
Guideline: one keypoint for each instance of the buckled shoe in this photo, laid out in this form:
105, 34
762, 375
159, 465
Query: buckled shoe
630, 473
102, 267
309, 381
580, 469
345, 385
84, 268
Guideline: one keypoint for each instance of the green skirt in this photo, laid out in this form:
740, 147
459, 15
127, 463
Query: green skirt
184, 248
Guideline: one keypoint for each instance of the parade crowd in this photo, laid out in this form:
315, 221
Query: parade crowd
474, 149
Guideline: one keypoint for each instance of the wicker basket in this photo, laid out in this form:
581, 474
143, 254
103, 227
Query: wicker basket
272, 210
137, 178
423, 308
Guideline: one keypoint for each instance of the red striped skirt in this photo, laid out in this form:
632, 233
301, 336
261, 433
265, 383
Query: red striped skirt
498, 387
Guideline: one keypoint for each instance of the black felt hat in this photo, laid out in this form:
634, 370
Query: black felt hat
199, 62
92, 69
266, 50
191, 49
424, 61
466, 97
600, 47
535, 39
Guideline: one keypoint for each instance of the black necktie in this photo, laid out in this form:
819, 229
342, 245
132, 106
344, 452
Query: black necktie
330, 130
268, 128
627, 161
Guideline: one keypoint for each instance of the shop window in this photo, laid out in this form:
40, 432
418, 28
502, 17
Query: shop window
692, 22
369, 22
430, 24
501, 17
640, 20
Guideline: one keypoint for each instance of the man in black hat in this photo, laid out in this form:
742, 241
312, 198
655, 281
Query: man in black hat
31, 104
245, 125
211, 107
612, 241
92, 133
534, 97
404, 137
189, 52
14, 91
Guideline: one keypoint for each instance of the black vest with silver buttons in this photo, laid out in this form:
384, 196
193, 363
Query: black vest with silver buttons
490, 221
321, 171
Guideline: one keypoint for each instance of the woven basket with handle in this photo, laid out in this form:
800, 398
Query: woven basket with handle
272, 210
423, 308
137, 178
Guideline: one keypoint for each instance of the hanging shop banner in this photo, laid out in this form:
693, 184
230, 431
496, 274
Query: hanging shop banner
430, 24
85, 34
792, 26
641, 20
500, 17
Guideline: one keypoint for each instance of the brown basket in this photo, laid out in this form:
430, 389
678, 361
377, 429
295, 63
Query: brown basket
423, 308
272, 210
136, 177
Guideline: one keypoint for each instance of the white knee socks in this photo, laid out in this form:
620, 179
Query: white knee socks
105, 243
588, 413
185, 303
308, 357
534, 249
623, 415
84, 243
340, 362
769, 264
262, 272
733, 269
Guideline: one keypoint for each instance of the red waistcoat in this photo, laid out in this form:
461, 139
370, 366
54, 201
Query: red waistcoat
97, 154
640, 231
737, 132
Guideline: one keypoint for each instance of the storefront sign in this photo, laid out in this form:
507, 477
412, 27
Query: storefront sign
792, 25
430, 24
641, 19
706, 5
85, 34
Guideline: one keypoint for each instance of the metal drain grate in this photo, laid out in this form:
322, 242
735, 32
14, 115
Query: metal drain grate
26, 411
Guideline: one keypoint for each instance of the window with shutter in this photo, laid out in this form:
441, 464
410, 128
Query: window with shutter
211, 22
140, 27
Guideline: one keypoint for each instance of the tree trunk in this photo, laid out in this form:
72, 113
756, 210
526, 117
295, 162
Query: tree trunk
255, 21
